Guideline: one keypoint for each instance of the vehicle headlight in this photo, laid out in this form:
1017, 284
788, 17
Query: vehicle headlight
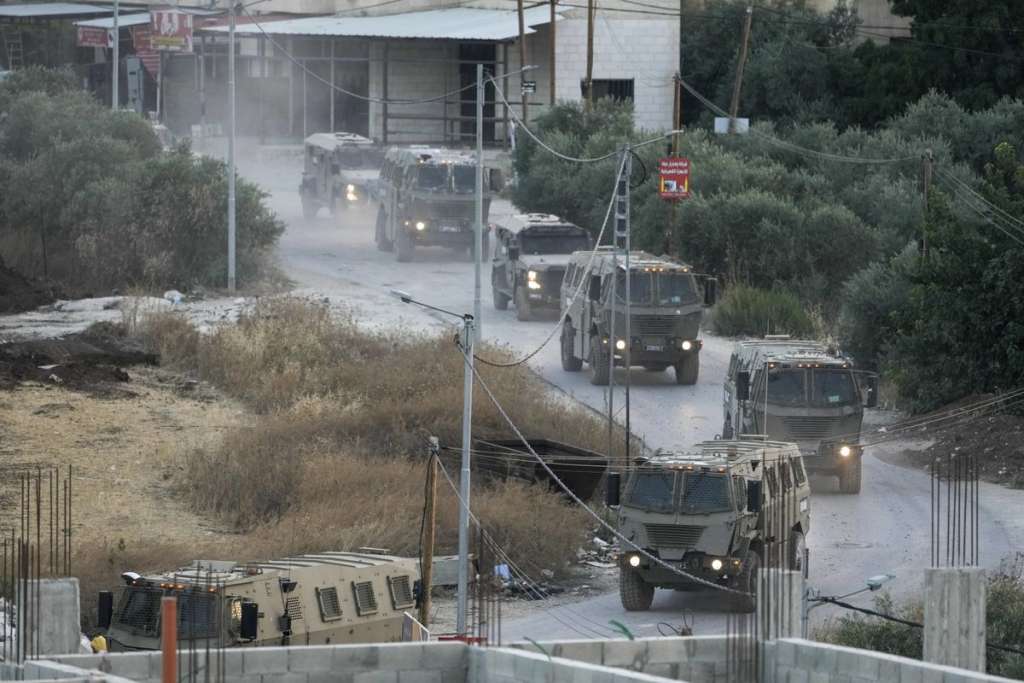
620, 344
634, 561
716, 564
533, 284
351, 196
845, 451
687, 345
420, 225
531, 275
350, 188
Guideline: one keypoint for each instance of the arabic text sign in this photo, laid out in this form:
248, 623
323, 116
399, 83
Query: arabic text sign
91, 36
171, 30
674, 178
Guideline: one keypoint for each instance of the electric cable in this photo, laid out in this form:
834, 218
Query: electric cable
999, 211
972, 204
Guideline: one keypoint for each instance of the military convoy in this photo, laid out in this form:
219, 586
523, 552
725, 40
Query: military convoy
339, 171
530, 256
666, 311
713, 514
804, 392
330, 597
427, 198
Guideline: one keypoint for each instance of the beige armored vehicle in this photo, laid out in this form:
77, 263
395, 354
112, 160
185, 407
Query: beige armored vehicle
331, 597
804, 392
666, 312
707, 512
530, 256
428, 198
340, 170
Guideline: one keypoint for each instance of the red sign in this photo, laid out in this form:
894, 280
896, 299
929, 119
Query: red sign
90, 36
674, 178
144, 50
171, 30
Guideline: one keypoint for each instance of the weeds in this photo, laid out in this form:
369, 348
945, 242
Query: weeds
756, 312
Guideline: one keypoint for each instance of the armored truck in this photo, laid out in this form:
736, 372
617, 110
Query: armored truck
666, 311
330, 597
339, 171
805, 392
427, 198
713, 513
530, 256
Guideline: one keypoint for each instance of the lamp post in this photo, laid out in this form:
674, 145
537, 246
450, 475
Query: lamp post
467, 434
231, 147
871, 584
115, 83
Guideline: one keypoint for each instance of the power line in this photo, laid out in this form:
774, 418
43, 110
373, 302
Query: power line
973, 203
1019, 223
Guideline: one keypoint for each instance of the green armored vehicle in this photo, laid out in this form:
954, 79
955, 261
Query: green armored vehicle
339, 171
330, 597
706, 512
666, 311
805, 392
428, 199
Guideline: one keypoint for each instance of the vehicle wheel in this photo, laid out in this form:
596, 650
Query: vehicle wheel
570, 362
687, 369
849, 479
404, 247
309, 208
747, 582
796, 551
635, 593
500, 297
380, 236
655, 367
523, 310
598, 362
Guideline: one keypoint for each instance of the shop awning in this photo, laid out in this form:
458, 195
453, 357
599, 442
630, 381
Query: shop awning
123, 21
50, 10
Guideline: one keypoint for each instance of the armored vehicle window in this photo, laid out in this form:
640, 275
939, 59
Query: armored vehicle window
798, 471
330, 606
832, 388
773, 482
538, 243
465, 178
432, 178
675, 289
140, 610
653, 491
703, 492
787, 480
197, 614
366, 599
641, 287
786, 387
739, 492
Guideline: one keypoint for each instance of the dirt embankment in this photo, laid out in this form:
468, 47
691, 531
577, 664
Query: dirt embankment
19, 294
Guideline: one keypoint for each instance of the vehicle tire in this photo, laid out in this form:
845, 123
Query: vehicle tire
524, 311
570, 363
500, 298
405, 249
655, 367
747, 582
849, 479
598, 363
309, 208
383, 243
687, 369
635, 593
797, 544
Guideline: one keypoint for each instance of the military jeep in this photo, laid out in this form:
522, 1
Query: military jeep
530, 256
712, 514
340, 171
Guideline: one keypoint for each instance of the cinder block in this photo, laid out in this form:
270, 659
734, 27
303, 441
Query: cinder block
820, 677
402, 656
577, 650
287, 677
665, 650
354, 658
376, 677
826, 658
627, 654
910, 673
420, 677
265, 660
797, 676
785, 653
888, 669
449, 655
330, 677
931, 674
312, 658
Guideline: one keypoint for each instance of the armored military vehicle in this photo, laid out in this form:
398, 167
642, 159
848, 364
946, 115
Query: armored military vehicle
712, 513
530, 256
331, 597
339, 171
428, 198
804, 392
666, 312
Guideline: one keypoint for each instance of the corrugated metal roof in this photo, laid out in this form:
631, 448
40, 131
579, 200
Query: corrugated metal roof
122, 21
462, 23
50, 9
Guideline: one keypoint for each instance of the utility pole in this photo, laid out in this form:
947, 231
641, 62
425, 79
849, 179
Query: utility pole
589, 100
478, 236
737, 86
427, 559
552, 49
467, 436
231, 147
622, 234
115, 99
927, 160
522, 59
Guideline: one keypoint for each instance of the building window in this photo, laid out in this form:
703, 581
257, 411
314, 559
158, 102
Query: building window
617, 89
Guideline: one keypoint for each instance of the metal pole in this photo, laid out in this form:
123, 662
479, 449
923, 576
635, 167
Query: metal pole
522, 59
552, 49
738, 85
589, 100
478, 237
231, 148
427, 560
115, 99
626, 173
467, 435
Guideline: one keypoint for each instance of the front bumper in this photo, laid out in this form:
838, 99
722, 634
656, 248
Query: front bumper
441, 234
655, 351
696, 564
829, 457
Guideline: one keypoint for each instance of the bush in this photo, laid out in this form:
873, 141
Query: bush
746, 311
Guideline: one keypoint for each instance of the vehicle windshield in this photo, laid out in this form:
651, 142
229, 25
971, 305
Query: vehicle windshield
552, 244
675, 289
641, 287
652, 491
139, 611
703, 492
465, 178
432, 178
832, 388
355, 158
786, 387
197, 617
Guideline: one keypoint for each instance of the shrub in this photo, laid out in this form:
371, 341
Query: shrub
756, 312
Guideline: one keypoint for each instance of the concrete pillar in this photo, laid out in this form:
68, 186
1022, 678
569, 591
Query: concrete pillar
954, 617
780, 603
56, 625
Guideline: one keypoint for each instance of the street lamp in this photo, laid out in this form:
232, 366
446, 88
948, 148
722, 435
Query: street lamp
467, 433
871, 584
231, 147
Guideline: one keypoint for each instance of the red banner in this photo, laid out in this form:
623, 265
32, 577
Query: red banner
90, 36
674, 178
171, 30
144, 50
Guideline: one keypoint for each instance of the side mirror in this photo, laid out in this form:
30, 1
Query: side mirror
613, 484
710, 291
104, 609
250, 624
753, 495
742, 386
513, 253
870, 390
595, 288
495, 180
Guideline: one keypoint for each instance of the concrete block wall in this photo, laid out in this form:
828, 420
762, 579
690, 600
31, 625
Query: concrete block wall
698, 659
802, 661
502, 665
